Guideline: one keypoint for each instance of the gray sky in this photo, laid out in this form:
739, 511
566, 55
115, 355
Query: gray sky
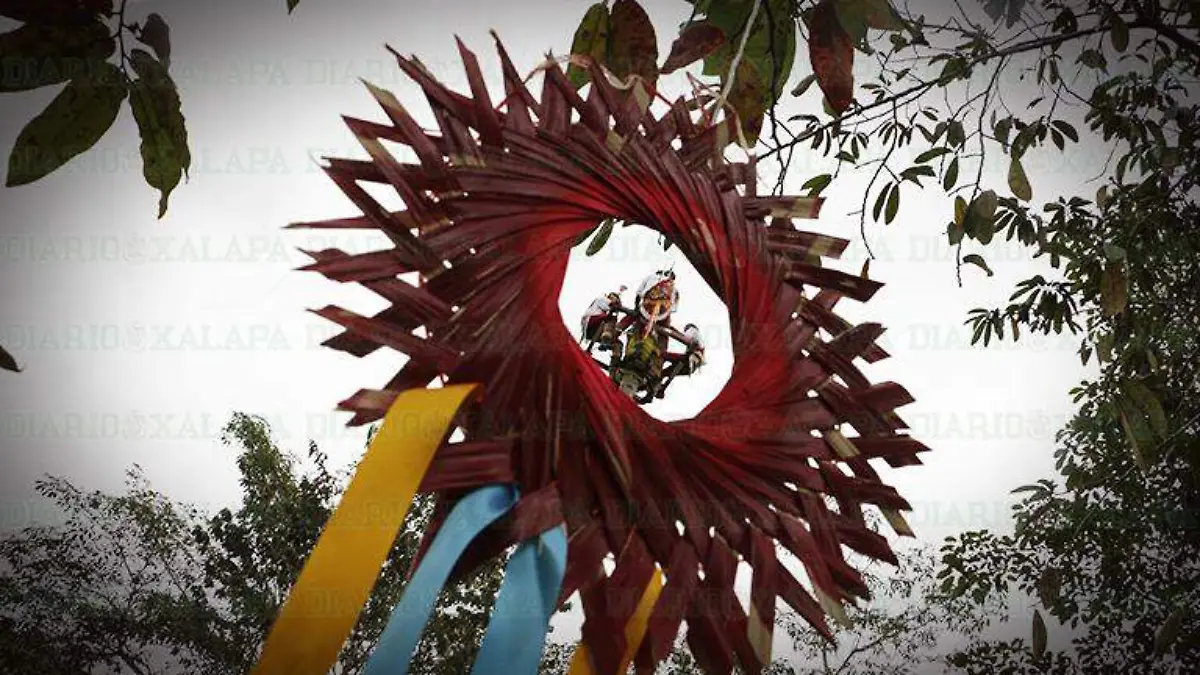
140, 337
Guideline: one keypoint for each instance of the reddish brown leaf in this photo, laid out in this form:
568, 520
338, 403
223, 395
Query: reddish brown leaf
696, 41
632, 45
832, 55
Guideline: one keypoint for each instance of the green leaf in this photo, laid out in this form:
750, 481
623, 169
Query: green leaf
1066, 129
960, 210
804, 85
1167, 633
951, 178
954, 231
1137, 433
1040, 489
1114, 289
931, 154
978, 261
1039, 636
1049, 586
157, 110
1093, 59
981, 216
36, 55
602, 234
750, 99
1018, 182
856, 16
816, 184
591, 39
880, 201
7, 362
1120, 32
291, 5
1148, 404
156, 35
893, 206
81, 113
1113, 252
954, 67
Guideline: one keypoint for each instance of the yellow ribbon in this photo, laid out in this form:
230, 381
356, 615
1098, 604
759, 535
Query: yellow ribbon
635, 630
334, 584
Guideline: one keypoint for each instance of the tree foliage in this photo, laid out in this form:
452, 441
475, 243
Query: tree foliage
139, 583
1110, 545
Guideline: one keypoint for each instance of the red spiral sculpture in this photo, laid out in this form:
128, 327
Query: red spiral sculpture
499, 197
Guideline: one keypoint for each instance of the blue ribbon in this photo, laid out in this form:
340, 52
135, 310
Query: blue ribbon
516, 633
469, 517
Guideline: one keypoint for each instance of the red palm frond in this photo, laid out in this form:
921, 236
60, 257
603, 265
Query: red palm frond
494, 207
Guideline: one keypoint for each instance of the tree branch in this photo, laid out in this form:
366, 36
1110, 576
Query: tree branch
1020, 47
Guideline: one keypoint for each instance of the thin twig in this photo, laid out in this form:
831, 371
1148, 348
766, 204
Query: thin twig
737, 58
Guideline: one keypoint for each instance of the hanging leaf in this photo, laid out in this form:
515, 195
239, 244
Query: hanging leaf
750, 98
632, 45
1114, 289
584, 237
1092, 59
816, 184
1039, 636
978, 261
7, 362
291, 4
156, 108
804, 85
951, 178
954, 232
1009, 10
856, 16
771, 52
1167, 633
960, 210
157, 36
831, 52
1147, 404
931, 154
602, 234
81, 113
37, 55
893, 206
1049, 584
591, 39
1018, 182
980, 220
696, 41
1119, 32
1137, 433
880, 201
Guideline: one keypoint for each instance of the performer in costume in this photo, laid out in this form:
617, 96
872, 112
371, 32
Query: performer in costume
644, 366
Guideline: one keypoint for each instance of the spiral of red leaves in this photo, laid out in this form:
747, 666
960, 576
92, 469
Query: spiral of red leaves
495, 203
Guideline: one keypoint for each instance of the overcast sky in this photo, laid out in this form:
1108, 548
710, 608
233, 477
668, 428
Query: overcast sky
140, 337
